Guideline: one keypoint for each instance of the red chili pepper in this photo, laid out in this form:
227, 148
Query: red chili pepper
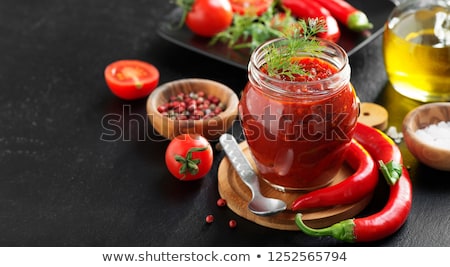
377, 143
354, 188
309, 9
394, 214
382, 149
345, 13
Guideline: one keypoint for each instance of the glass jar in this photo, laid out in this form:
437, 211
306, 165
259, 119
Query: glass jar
298, 132
416, 49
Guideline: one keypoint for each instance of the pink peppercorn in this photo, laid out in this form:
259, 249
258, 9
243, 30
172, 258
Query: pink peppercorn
221, 202
209, 218
191, 106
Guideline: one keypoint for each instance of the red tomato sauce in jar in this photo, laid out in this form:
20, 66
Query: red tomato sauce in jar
298, 131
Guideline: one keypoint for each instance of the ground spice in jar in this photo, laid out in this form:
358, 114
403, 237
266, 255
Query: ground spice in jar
437, 135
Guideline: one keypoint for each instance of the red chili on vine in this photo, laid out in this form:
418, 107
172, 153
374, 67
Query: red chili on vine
394, 214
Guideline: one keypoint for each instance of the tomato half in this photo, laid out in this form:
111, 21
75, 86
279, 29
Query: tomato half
250, 6
189, 157
131, 79
209, 17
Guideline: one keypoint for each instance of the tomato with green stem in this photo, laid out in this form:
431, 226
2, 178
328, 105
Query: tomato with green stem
189, 157
206, 17
131, 79
250, 6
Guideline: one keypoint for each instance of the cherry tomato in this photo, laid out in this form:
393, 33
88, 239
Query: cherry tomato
189, 157
250, 6
131, 79
209, 17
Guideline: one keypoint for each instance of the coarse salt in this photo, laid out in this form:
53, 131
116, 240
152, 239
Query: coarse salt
437, 135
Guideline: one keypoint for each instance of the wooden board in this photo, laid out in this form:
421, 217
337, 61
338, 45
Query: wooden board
373, 115
237, 195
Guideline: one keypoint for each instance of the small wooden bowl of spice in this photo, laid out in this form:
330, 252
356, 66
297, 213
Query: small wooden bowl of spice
426, 131
198, 106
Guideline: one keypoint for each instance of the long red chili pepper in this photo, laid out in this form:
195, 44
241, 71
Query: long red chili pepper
355, 187
395, 212
309, 9
347, 14
382, 148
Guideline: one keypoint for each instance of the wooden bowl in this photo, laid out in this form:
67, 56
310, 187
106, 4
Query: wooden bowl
210, 128
419, 118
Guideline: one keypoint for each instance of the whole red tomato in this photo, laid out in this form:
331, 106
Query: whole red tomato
189, 157
209, 17
131, 79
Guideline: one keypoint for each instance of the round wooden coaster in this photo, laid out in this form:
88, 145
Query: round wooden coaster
237, 195
373, 115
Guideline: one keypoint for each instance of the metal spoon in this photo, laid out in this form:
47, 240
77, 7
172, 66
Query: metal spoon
259, 204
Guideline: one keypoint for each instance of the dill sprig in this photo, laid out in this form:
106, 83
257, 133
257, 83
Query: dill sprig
279, 59
250, 30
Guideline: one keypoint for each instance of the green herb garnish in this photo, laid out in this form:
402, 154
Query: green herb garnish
249, 31
279, 59
186, 6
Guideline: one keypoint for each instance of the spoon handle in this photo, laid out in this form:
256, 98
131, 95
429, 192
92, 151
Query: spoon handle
240, 162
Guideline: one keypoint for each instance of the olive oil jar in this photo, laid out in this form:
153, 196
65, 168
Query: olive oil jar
416, 48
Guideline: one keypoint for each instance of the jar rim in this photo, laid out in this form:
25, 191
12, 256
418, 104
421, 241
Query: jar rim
257, 61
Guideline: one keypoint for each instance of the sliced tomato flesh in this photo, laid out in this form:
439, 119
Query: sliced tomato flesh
131, 74
131, 79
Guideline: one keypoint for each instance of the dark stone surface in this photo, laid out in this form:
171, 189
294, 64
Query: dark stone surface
61, 185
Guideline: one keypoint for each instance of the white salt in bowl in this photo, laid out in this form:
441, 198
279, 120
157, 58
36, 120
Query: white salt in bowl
431, 144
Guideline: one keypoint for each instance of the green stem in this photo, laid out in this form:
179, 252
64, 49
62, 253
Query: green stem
342, 230
186, 6
358, 21
188, 164
391, 171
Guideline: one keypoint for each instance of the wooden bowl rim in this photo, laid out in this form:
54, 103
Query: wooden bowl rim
225, 92
409, 128
408, 121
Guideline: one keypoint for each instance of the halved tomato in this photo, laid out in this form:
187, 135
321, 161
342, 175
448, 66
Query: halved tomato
250, 6
131, 79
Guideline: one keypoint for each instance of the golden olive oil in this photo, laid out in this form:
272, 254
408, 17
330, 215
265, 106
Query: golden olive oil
417, 54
